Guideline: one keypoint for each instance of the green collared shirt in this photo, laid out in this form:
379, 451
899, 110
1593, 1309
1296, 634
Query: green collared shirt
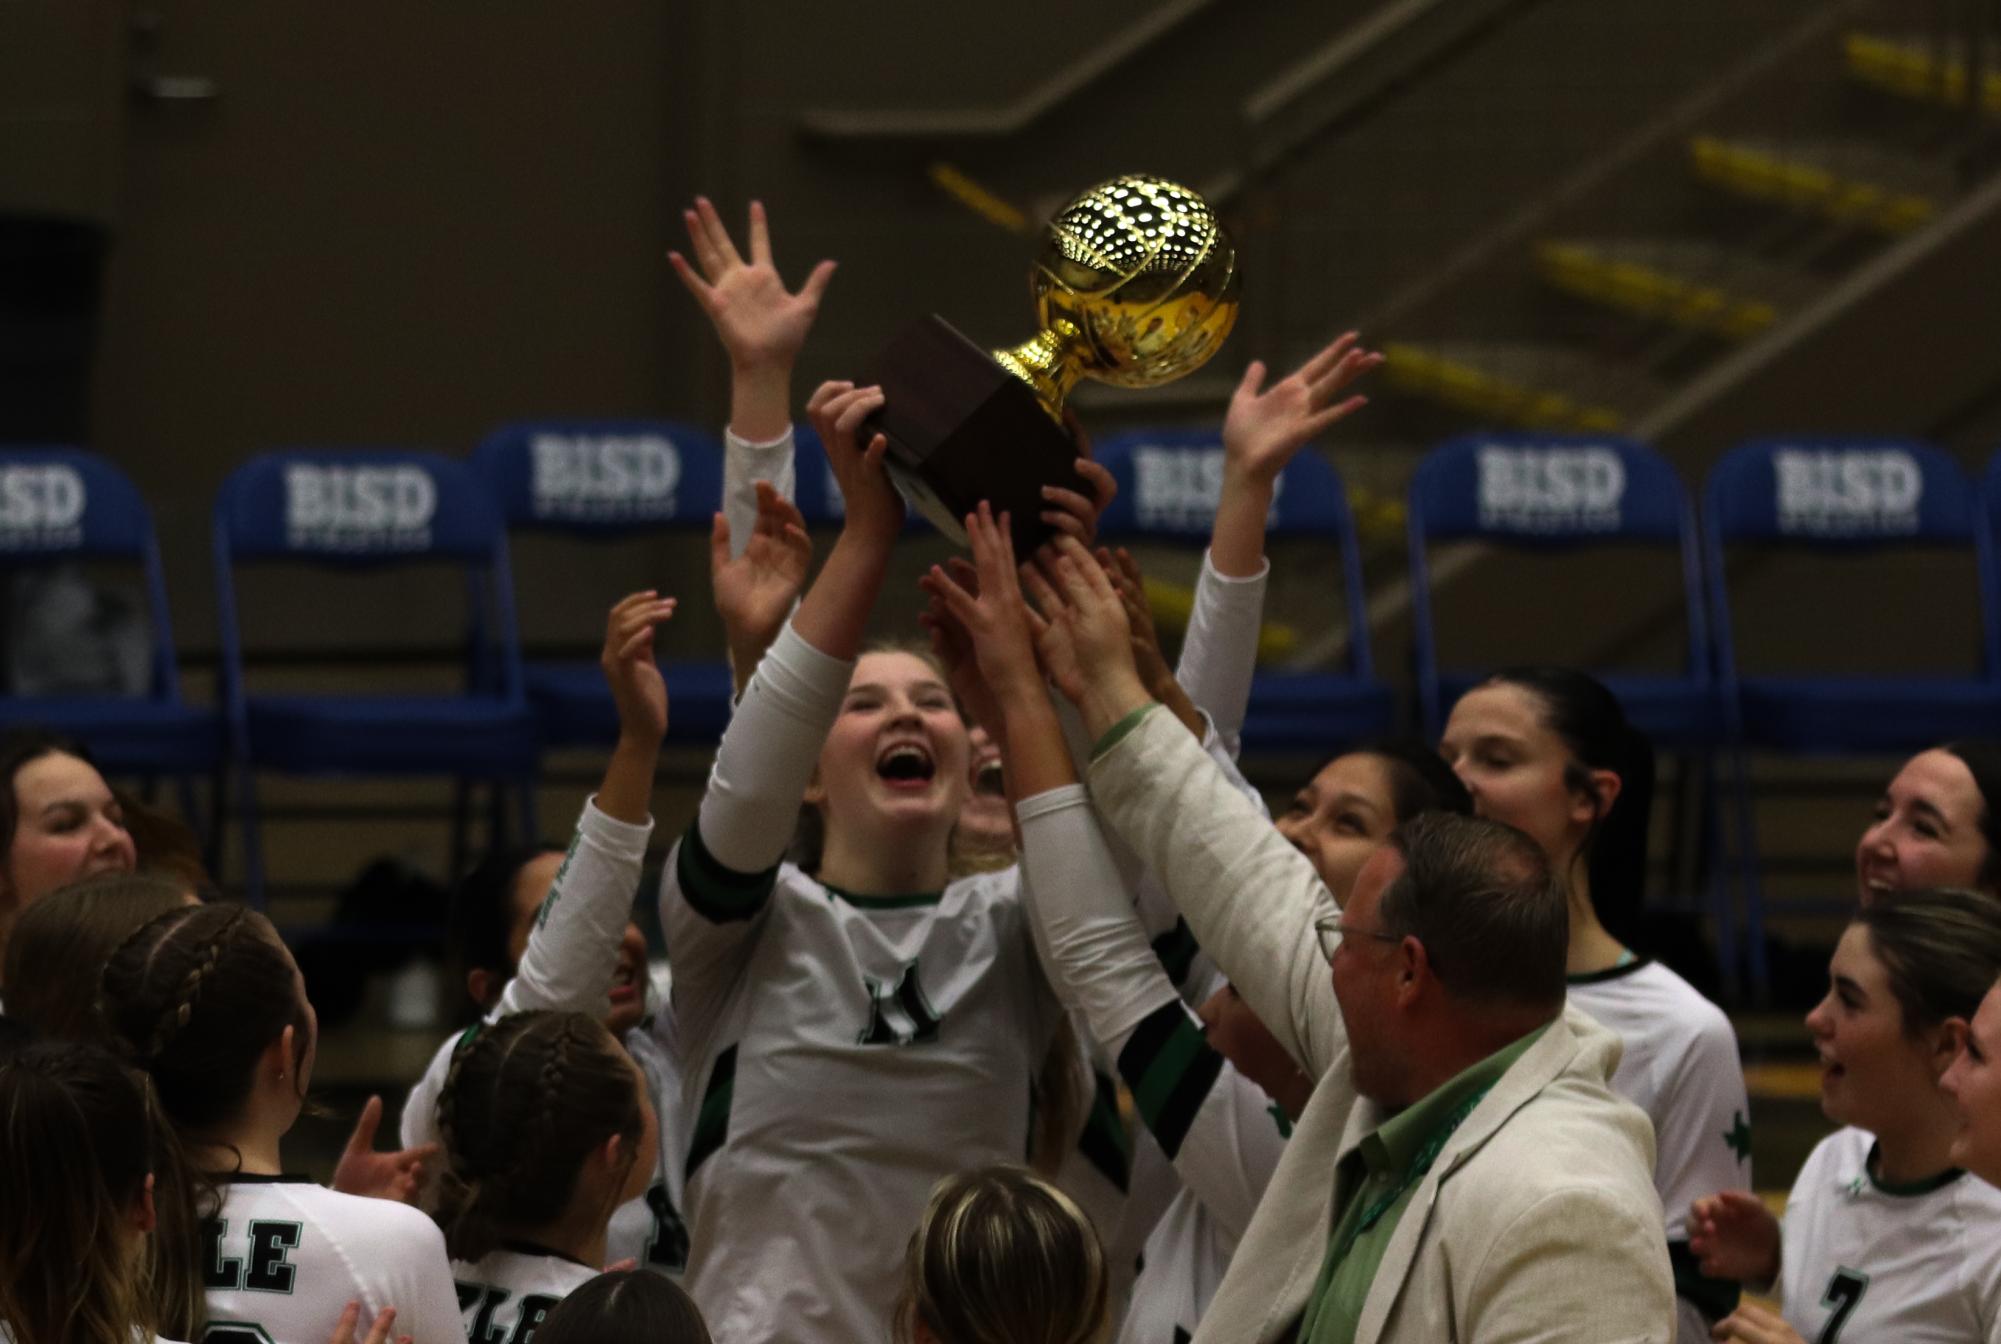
1391, 1162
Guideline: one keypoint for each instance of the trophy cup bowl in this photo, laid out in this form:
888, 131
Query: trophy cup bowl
1135, 285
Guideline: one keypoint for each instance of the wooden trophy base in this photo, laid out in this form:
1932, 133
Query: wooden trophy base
962, 429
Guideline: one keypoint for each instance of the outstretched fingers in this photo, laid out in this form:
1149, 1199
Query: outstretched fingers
715, 238
760, 236
1328, 358
816, 282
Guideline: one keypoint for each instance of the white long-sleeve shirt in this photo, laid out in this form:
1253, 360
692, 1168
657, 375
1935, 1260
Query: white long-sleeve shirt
845, 1050
567, 967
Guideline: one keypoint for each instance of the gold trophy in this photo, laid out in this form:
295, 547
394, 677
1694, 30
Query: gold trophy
1136, 284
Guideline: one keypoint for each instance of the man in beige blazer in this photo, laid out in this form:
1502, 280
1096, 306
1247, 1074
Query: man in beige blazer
1515, 1202
1537, 1218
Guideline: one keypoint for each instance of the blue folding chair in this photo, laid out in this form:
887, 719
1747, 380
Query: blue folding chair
1549, 492
1169, 482
602, 480
373, 509
1843, 495
59, 504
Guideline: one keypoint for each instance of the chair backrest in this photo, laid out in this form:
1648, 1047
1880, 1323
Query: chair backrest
60, 503
602, 477
1843, 494
361, 508
1544, 492
1170, 481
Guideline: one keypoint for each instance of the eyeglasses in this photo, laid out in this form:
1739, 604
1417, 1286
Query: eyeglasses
1332, 928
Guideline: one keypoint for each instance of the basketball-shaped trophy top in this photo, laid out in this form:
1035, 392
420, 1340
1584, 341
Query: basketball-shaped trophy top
1137, 278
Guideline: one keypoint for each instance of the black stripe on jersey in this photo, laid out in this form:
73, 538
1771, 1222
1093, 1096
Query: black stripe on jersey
1170, 1069
716, 893
1104, 1142
712, 1122
1714, 1298
1176, 950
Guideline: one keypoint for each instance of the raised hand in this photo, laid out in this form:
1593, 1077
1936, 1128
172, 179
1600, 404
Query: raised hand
755, 590
990, 610
759, 321
1123, 571
952, 645
637, 688
1734, 1236
1265, 427
1071, 513
874, 511
363, 1171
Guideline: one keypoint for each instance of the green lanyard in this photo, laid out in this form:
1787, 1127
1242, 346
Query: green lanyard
1419, 1168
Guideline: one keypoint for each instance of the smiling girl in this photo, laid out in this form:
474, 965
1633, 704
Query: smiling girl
1884, 1238
854, 1032
60, 820
1932, 827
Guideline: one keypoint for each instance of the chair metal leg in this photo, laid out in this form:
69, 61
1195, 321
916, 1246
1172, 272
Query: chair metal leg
1750, 885
525, 799
218, 816
191, 813
461, 824
253, 838
1717, 886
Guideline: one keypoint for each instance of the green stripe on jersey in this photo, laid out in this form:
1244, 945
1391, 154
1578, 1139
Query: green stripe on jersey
712, 1122
1104, 1142
715, 892
1170, 1068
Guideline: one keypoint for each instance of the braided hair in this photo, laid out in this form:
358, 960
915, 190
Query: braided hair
194, 997
527, 1099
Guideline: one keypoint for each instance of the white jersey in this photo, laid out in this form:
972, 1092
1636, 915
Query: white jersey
843, 1052
567, 967
1864, 1262
1680, 1066
283, 1257
505, 1294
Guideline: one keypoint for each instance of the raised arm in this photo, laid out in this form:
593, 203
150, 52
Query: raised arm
760, 323
1250, 898
1263, 431
1220, 1130
761, 326
757, 586
573, 945
723, 870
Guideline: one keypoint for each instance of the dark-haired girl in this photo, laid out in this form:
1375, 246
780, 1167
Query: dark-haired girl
626, 1307
1549, 751
1933, 827
61, 943
1884, 1237
208, 1001
551, 930
59, 821
548, 1128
